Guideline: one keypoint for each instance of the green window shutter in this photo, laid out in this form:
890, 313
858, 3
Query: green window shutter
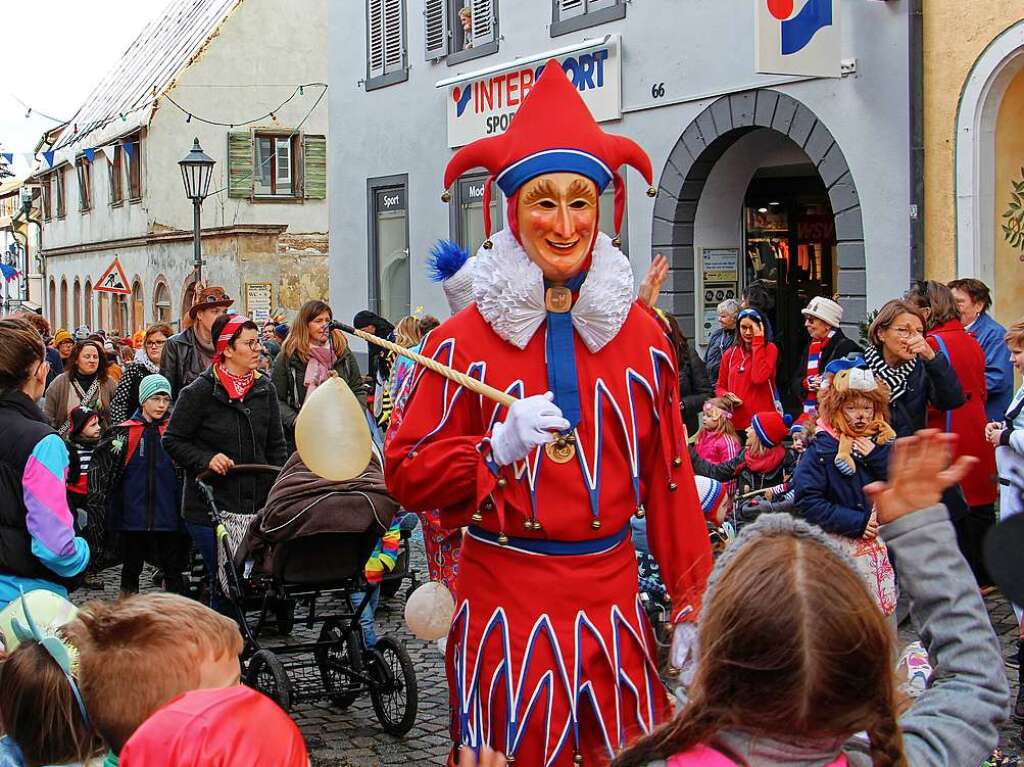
240, 168
314, 171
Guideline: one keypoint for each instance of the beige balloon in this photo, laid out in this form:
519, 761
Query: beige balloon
429, 610
331, 432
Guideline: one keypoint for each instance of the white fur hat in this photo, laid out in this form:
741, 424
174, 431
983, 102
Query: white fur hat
458, 288
825, 309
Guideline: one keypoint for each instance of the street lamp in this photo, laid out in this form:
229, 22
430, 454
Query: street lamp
196, 171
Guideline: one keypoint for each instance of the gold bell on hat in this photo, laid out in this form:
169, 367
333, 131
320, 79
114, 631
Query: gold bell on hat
652, 192
488, 244
616, 241
446, 196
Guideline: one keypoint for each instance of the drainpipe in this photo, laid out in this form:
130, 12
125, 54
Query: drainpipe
916, 77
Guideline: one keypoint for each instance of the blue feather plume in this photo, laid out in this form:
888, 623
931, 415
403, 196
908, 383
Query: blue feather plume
446, 258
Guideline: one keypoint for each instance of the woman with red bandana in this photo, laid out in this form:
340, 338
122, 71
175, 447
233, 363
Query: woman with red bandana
549, 653
228, 415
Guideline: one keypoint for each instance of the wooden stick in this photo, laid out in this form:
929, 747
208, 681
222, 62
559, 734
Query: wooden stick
496, 395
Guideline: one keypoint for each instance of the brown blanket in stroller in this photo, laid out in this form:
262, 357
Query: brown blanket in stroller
304, 510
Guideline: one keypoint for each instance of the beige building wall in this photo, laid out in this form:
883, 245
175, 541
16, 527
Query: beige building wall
956, 36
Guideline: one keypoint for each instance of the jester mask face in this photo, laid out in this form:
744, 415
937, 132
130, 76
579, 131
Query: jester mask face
557, 220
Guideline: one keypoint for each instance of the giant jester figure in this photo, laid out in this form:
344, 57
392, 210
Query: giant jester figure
549, 655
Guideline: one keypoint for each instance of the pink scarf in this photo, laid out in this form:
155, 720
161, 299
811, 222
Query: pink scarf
318, 367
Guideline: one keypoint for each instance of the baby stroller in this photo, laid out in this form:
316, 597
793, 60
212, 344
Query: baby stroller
306, 552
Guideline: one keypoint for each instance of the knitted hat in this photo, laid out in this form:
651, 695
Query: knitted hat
770, 427
82, 332
153, 384
62, 336
454, 269
80, 417
281, 331
824, 309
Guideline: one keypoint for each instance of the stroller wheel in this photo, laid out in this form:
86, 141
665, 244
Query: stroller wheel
266, 674
394, 691
335, 652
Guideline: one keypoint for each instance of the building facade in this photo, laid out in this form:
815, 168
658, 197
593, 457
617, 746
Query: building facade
801, 182
111, 187
974, 147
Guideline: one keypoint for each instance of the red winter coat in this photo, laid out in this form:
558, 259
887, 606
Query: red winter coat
751, 377
968, 421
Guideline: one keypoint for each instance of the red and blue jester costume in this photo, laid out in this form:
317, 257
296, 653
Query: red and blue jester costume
549, 655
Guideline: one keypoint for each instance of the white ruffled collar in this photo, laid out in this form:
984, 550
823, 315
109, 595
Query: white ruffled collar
509, 292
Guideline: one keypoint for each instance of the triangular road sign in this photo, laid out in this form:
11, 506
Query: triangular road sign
113, 280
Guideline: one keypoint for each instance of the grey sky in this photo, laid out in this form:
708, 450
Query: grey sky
54, 59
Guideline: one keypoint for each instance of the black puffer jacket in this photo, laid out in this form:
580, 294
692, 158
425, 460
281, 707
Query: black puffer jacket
183, 362
205, 422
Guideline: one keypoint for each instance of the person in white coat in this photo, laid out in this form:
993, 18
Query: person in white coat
1008, 438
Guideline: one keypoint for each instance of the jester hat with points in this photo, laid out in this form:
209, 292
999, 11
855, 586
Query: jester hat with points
553, 132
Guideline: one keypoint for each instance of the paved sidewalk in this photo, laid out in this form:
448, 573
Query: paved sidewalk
353, 738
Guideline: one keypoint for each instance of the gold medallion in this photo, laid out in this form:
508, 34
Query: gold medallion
558, 300
562, 450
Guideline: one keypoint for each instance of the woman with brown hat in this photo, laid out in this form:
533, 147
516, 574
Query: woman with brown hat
190, 352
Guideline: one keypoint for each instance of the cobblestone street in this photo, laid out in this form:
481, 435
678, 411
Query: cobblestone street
353, 737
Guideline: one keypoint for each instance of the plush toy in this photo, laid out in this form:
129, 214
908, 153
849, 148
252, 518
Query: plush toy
851, 387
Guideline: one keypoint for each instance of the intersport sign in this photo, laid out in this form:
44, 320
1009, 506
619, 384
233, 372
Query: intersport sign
483, 104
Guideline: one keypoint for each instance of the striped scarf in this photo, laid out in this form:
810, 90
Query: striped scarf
813, 358
895, 378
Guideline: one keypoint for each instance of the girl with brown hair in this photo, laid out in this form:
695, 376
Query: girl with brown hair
794, 656
85, 382
309, 355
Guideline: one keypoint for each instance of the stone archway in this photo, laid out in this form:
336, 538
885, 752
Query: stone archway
690, 162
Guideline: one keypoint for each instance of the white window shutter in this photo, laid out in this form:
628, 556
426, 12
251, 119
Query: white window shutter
375, 38
394, 42
569, 8
483, 22
435, 24
596, 5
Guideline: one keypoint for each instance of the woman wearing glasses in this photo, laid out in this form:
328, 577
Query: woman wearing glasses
38, 546
227, 416
146, 362
917, 377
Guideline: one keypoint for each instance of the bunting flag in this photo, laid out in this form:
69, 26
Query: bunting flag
9, 272
129, 149
29, 157
109, 151
48, 156
90, 154
8, 156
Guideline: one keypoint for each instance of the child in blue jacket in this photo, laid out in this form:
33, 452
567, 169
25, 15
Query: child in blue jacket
133, 480
852, 429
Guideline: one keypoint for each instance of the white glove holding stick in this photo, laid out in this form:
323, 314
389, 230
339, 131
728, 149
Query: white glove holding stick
684, 651
530, 422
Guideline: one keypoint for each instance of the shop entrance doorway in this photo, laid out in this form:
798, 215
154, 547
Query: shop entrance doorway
790, 256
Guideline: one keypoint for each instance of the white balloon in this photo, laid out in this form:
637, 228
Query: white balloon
331, 432
429, 610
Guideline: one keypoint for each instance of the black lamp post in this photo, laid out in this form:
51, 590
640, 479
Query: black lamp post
196, 171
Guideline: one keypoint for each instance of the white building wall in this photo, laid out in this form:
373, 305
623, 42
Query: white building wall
260, 54
699, 50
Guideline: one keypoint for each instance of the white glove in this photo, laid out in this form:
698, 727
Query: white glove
684, 651
529, 423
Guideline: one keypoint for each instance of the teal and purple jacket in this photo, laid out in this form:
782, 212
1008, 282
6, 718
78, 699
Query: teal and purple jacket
39, 547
